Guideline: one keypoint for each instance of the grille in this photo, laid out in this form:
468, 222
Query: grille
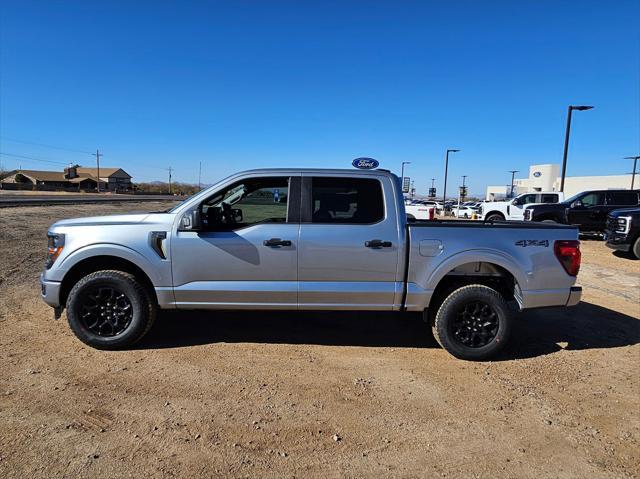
612, 223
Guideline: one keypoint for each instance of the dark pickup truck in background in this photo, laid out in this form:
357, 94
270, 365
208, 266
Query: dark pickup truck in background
623, 231
587, 210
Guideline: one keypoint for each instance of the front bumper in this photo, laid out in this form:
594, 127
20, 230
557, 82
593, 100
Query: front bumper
50, 291
618, 241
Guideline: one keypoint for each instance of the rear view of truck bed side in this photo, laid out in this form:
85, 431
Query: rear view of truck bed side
523, 261
463, 275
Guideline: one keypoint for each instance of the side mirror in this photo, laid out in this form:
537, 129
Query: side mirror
516, 202
191, 221
577, 204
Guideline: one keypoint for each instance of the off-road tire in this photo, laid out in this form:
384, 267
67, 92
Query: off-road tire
636, 248
443, 323
140, 299
495, 217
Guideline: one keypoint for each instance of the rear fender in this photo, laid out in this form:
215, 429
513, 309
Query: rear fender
475, 256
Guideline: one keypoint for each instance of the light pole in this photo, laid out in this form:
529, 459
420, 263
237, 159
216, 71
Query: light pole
635, 162
404, 163
402, 173
446, 171
566, 139
513, 174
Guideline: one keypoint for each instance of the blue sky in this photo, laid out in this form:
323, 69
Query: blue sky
242, 84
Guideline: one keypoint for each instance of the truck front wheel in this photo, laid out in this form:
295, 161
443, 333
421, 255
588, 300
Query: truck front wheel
494, 217
472, 323
110, 310
636, 248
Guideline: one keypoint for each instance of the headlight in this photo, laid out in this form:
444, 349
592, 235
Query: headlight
55, 246
622, 224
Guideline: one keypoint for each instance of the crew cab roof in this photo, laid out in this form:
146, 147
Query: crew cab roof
317, 171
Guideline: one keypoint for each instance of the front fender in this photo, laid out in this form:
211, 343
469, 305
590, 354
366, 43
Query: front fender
158, 271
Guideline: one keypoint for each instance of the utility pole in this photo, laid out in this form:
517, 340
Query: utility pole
566, 140
635, 162
446, 171
97, 155
513, 175
170, 170
199, 174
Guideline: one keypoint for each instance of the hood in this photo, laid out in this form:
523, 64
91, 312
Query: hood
129, 219
625, 212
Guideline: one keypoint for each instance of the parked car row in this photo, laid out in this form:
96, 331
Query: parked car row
603, 212
615, 214
513, 209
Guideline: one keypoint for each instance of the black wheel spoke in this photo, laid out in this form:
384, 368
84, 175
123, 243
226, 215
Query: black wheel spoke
476, 324
106, 311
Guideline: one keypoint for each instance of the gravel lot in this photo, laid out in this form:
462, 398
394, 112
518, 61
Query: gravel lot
302, 394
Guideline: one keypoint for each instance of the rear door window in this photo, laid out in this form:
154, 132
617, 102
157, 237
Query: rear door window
622, 198
346, 200
549, 198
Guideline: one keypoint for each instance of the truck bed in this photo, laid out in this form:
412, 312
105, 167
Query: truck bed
520, 251
490, 224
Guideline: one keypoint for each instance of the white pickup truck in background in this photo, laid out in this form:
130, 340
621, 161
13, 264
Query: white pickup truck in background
419, 210
513, 209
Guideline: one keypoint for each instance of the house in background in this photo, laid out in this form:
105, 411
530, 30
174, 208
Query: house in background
71, 179
116, 179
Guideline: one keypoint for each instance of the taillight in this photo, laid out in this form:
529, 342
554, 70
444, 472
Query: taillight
432, 213
568, 253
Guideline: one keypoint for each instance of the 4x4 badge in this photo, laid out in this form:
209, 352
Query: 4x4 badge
525, 243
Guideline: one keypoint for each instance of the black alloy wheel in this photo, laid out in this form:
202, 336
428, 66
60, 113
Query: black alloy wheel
476, 324
106, 311
473, 322
111, 309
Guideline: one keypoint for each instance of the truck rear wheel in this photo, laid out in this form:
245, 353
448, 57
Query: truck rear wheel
110, 310
472, 323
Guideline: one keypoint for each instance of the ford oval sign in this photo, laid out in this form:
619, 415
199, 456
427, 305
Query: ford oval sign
365, 163
537, 174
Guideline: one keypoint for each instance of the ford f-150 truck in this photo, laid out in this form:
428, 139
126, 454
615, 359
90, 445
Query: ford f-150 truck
306, 239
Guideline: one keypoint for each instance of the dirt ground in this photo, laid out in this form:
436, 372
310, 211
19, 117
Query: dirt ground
315, 395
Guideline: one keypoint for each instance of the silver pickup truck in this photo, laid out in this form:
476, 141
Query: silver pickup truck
306, 239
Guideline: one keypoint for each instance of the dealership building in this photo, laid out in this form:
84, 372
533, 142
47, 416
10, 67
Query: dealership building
547, 178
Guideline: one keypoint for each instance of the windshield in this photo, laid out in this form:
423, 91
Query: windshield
573, 198
174, 208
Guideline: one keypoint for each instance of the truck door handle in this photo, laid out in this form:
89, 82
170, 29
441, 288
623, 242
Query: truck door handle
376, 243
276, 242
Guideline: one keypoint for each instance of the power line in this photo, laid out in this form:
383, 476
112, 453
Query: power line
33, 159
44, 145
